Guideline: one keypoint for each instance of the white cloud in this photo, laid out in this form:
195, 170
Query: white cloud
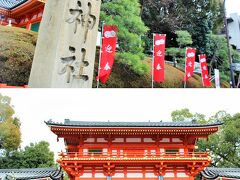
233, 6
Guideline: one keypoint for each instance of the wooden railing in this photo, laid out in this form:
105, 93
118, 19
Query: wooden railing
134, 155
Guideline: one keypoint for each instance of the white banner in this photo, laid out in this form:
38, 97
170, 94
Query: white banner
217, 78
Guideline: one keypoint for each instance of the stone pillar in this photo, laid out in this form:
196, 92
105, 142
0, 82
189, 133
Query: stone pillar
65, 51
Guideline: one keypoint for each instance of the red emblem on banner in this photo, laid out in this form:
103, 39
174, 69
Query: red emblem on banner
109, 41
159, 42
190, 60
205, 76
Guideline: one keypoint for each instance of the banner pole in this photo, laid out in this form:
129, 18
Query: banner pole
100, 54
153, 61
185, 79
201, 70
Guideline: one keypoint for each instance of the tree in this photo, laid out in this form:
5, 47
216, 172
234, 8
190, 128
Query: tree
36, 155
185, 114
183, 38
33, 156
161, 16
217, 8
181, 115
200, 34
223, 145
199, 18
125, 14
6, 110
218, 56
172, 15
10, 135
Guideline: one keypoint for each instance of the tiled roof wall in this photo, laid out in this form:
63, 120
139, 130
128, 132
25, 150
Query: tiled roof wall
10, 4
33, 173
212, 172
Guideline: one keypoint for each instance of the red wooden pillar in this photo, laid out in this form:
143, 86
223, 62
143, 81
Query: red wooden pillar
28, 26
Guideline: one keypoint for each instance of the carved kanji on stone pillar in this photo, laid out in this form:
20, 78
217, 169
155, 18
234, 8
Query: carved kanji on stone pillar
65, 52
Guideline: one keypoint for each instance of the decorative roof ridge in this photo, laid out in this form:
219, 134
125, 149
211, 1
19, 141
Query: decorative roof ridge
67, 122
225, 169
214, 172
33, 173
29, 169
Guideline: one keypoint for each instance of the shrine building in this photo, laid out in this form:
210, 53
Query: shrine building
132, 150
22, 13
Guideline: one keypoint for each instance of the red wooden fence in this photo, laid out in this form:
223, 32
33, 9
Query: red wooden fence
6, 86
